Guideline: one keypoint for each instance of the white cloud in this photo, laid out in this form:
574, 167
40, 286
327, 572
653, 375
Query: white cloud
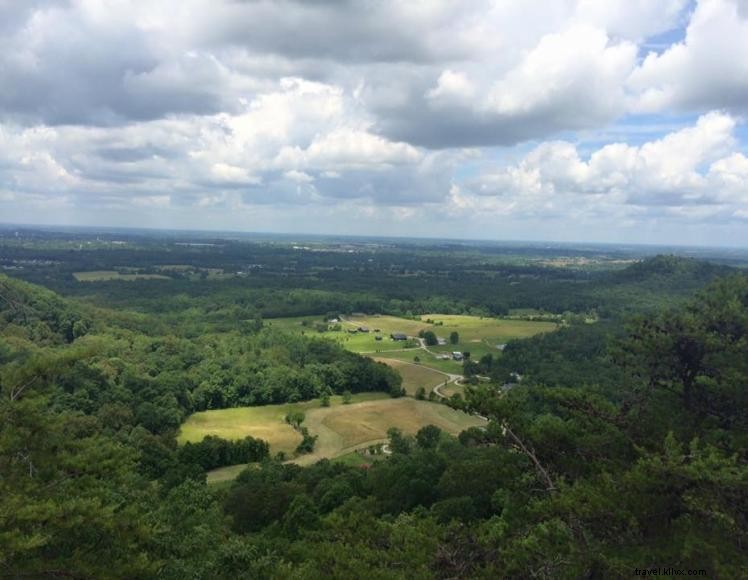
389, 110
695, 166
708, 69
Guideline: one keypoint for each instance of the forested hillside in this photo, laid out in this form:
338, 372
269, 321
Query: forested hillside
622, 447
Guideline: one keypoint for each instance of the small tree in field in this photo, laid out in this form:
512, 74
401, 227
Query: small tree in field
347, 397
295, 419
454, 337
420, 393
430, 338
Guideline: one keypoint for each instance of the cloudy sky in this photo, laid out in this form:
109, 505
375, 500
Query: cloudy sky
614, 120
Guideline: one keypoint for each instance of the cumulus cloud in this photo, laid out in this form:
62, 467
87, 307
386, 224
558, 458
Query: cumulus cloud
395, 112
708, 69
695, 166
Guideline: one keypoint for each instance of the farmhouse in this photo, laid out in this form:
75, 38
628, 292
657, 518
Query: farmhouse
398, 336
456, 355
363, 329
378, 337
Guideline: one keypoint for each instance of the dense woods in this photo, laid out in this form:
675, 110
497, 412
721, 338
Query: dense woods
623, 445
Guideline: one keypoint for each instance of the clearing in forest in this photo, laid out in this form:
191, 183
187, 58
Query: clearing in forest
103, 275
266, 422
344, 428
477, 335
340, 428
415, 375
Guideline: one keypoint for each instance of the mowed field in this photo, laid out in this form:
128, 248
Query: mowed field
340, 428
266, 422
492, 331
345, 428
101, 275
477, 334
362, 342
415, 375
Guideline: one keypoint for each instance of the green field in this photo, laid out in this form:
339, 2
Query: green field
491, 331
415, 375
340, 428
478, 335
224, 474
356, 342
452, 389
101, 275
425, 359
266, 422
344, 428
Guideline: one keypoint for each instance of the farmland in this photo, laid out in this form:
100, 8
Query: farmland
415, 375
477, 335
340, 428
105, 275
264, 422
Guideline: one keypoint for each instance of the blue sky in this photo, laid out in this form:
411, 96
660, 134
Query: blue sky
570, 120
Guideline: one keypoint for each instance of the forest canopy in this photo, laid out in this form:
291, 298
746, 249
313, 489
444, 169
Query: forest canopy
611, 445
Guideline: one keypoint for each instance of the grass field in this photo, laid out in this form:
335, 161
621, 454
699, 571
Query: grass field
452, 389
492, 331
345, 428
340, 428
101, 275
425, 359
266, 422
415, 375
477, 335
357, 342
223, 474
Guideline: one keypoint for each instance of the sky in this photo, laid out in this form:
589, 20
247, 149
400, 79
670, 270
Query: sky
560, 120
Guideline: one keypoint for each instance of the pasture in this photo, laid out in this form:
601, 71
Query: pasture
478, 335
425, 359
265, 422
344, 428
491, 331
361, 342
340, 428
415, 375
104, 275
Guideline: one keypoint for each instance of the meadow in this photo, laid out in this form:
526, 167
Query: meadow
477, 335
265, 422
415, 375
340, 428
105, 275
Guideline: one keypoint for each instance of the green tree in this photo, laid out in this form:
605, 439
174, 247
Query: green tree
398, 442
295, 418
428, 437
454, 337
430, 338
